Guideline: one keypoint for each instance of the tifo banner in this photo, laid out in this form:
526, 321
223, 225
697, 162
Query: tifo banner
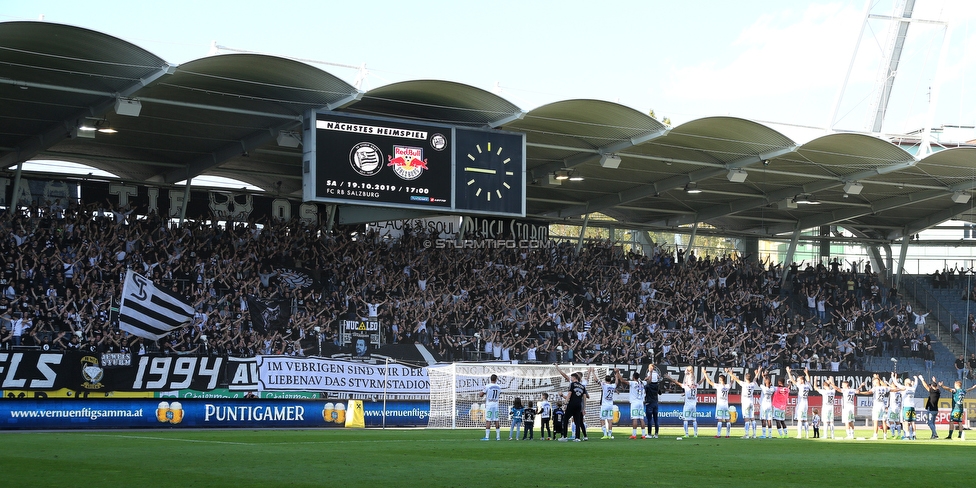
83, 372
43, 193
268, 315
856, 378
318, 374
191, 413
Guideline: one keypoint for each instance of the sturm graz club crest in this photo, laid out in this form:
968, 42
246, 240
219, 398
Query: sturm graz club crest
366, 158
438, 142
92, 372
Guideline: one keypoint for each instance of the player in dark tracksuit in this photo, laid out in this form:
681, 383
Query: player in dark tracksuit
651, 391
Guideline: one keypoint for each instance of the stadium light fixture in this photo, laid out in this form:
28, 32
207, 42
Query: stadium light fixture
960, 197
853, 188
806, 199
289, 139
128, 106
737, 175
610, 161
692, 188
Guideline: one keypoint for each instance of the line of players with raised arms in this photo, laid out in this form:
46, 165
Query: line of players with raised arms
893, 407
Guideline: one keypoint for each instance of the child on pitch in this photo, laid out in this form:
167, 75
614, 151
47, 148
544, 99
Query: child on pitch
749, 387
826, 391
557, 420
528, 419
955, 416
815, 422
515, 416
722, 415
636, 404
545, 415
609, 388
802, 385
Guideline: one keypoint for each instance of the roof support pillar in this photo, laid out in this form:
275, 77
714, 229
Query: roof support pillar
579, 242
789, 256
874, 255
691, 238
186, 200
905, 240
330, 211
15, 200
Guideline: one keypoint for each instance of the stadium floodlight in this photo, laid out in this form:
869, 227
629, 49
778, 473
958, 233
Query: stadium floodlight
128, 107
737, 175
692, 188
610, 161
853, 188
960, 197
806, 199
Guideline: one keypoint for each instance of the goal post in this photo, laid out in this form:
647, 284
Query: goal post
455, 401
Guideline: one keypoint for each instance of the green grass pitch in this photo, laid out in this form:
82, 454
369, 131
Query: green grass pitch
431, 458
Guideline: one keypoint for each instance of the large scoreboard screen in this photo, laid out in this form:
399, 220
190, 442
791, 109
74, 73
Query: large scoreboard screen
408, 164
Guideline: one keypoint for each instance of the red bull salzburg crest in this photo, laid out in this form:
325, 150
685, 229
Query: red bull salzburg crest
407, 162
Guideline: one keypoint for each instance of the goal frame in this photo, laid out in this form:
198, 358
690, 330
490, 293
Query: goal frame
463, 382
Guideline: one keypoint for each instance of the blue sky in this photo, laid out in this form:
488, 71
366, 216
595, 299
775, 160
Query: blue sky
765, 60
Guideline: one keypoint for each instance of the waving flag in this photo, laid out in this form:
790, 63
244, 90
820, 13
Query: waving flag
150, 311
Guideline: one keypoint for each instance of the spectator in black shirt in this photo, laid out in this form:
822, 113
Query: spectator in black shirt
651, 391
932, 403
575, 405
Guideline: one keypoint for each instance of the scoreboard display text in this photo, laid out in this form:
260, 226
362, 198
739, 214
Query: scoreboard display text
413, 165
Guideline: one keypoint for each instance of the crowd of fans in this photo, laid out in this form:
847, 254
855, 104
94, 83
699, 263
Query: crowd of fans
61, 269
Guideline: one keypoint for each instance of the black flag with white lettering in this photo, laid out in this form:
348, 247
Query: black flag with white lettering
268, 315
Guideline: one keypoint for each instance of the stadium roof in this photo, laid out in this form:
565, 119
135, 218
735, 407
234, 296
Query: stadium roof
221, 115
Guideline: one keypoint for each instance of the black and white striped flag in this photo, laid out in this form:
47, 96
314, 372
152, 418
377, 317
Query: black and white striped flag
150, 311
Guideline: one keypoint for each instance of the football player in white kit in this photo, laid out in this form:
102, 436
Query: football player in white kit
766, 406
609, 388
492, 393
880, 409
908, 406
690, 411
894, 407
826, 391
721, 405
801, 414
849, 408
749, 387
636, 404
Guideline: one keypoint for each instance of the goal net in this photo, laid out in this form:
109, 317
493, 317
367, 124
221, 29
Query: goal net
455, 401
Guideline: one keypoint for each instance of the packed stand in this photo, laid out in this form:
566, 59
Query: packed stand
62, 269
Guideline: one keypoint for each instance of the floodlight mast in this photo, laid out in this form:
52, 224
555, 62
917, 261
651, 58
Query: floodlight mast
888, 68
